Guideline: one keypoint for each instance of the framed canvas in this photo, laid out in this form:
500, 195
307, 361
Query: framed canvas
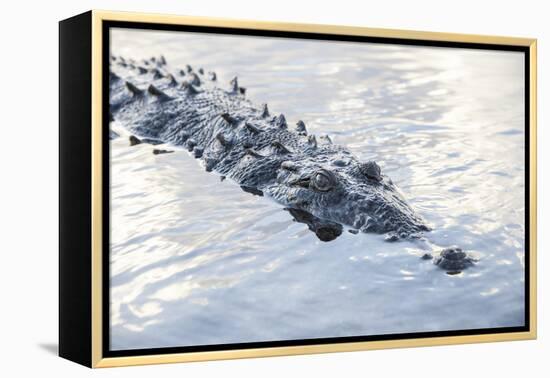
235, 189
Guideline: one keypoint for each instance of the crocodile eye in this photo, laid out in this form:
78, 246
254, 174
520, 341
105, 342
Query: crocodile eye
323, 181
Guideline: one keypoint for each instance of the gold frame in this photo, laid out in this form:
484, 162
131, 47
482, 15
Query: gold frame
97, 196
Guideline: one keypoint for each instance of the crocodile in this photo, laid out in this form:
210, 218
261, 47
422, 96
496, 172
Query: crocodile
319, 183
259, 151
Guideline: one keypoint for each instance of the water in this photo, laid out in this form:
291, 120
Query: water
195, 260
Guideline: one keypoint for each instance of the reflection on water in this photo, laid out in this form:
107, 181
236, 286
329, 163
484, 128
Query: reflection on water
323, 229
197, 260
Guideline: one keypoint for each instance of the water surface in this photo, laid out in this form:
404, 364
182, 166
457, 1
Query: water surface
195, 260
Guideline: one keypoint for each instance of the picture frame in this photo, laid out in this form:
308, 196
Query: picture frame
85, 164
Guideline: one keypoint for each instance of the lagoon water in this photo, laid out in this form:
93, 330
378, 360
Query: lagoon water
195, 260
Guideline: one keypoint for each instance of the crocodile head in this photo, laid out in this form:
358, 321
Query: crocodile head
349, 192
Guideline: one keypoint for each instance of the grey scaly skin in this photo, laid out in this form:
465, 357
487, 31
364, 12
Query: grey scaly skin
259, 151
320, 184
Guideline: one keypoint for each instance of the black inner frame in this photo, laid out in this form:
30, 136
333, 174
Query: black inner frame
106, 25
